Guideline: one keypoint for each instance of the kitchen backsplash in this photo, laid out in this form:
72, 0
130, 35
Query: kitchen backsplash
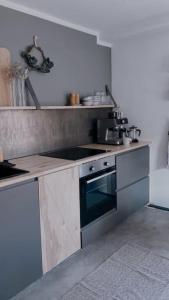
30, 132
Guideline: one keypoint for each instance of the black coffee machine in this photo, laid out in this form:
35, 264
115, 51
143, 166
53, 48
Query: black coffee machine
110, 131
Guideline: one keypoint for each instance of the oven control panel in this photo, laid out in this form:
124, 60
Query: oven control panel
97, 165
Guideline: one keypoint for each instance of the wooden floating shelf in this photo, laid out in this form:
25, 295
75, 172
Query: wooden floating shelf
53, 107
17, 107
76, 107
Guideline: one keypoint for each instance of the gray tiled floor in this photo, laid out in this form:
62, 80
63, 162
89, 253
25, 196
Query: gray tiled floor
148, 227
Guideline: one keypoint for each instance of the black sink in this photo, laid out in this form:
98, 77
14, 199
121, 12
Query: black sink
9, 171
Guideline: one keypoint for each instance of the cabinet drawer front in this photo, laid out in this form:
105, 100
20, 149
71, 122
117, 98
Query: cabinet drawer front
20, 246
132, 166
132, 198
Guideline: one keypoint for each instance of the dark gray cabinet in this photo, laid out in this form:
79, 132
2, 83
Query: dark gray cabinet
20, 242
132, 166
131, 198
132, 181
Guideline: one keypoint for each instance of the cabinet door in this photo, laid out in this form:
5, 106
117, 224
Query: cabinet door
20, 242
132, 166
132, 198
60, 216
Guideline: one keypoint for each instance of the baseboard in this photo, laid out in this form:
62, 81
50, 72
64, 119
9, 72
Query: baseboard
158, 207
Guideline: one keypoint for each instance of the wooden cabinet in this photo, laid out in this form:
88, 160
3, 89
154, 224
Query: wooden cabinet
60, 216
20, 239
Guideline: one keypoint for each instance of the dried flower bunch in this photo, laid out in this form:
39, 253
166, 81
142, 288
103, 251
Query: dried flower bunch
19, 71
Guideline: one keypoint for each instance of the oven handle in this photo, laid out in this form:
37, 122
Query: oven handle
101, 176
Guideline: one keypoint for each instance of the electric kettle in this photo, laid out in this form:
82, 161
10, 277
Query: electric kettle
134, 133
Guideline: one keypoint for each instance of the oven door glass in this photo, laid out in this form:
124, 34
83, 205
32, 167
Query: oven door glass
98, 196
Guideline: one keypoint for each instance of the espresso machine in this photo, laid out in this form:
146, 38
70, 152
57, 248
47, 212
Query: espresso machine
111, 130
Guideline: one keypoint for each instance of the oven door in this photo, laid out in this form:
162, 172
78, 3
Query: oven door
97, 195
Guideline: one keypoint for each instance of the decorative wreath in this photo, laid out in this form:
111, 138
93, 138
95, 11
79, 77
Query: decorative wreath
45, 66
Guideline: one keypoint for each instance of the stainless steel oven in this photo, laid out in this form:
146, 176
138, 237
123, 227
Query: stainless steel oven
97, 190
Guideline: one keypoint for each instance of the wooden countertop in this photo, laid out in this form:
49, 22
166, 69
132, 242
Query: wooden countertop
112, 149
40, 165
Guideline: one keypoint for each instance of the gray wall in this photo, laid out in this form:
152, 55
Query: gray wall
140, 82
80, 65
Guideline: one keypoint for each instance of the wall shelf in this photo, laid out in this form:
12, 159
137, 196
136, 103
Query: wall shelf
76, 107
53, 107
17, 107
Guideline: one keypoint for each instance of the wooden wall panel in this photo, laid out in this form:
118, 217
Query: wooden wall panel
5, 90
60, 216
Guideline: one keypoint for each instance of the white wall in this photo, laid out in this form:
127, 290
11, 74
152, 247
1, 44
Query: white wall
140, 83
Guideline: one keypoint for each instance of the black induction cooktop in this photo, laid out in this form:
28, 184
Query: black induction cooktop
74, 153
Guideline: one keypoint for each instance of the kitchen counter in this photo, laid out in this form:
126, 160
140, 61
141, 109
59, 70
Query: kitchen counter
40, 165
112, 149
